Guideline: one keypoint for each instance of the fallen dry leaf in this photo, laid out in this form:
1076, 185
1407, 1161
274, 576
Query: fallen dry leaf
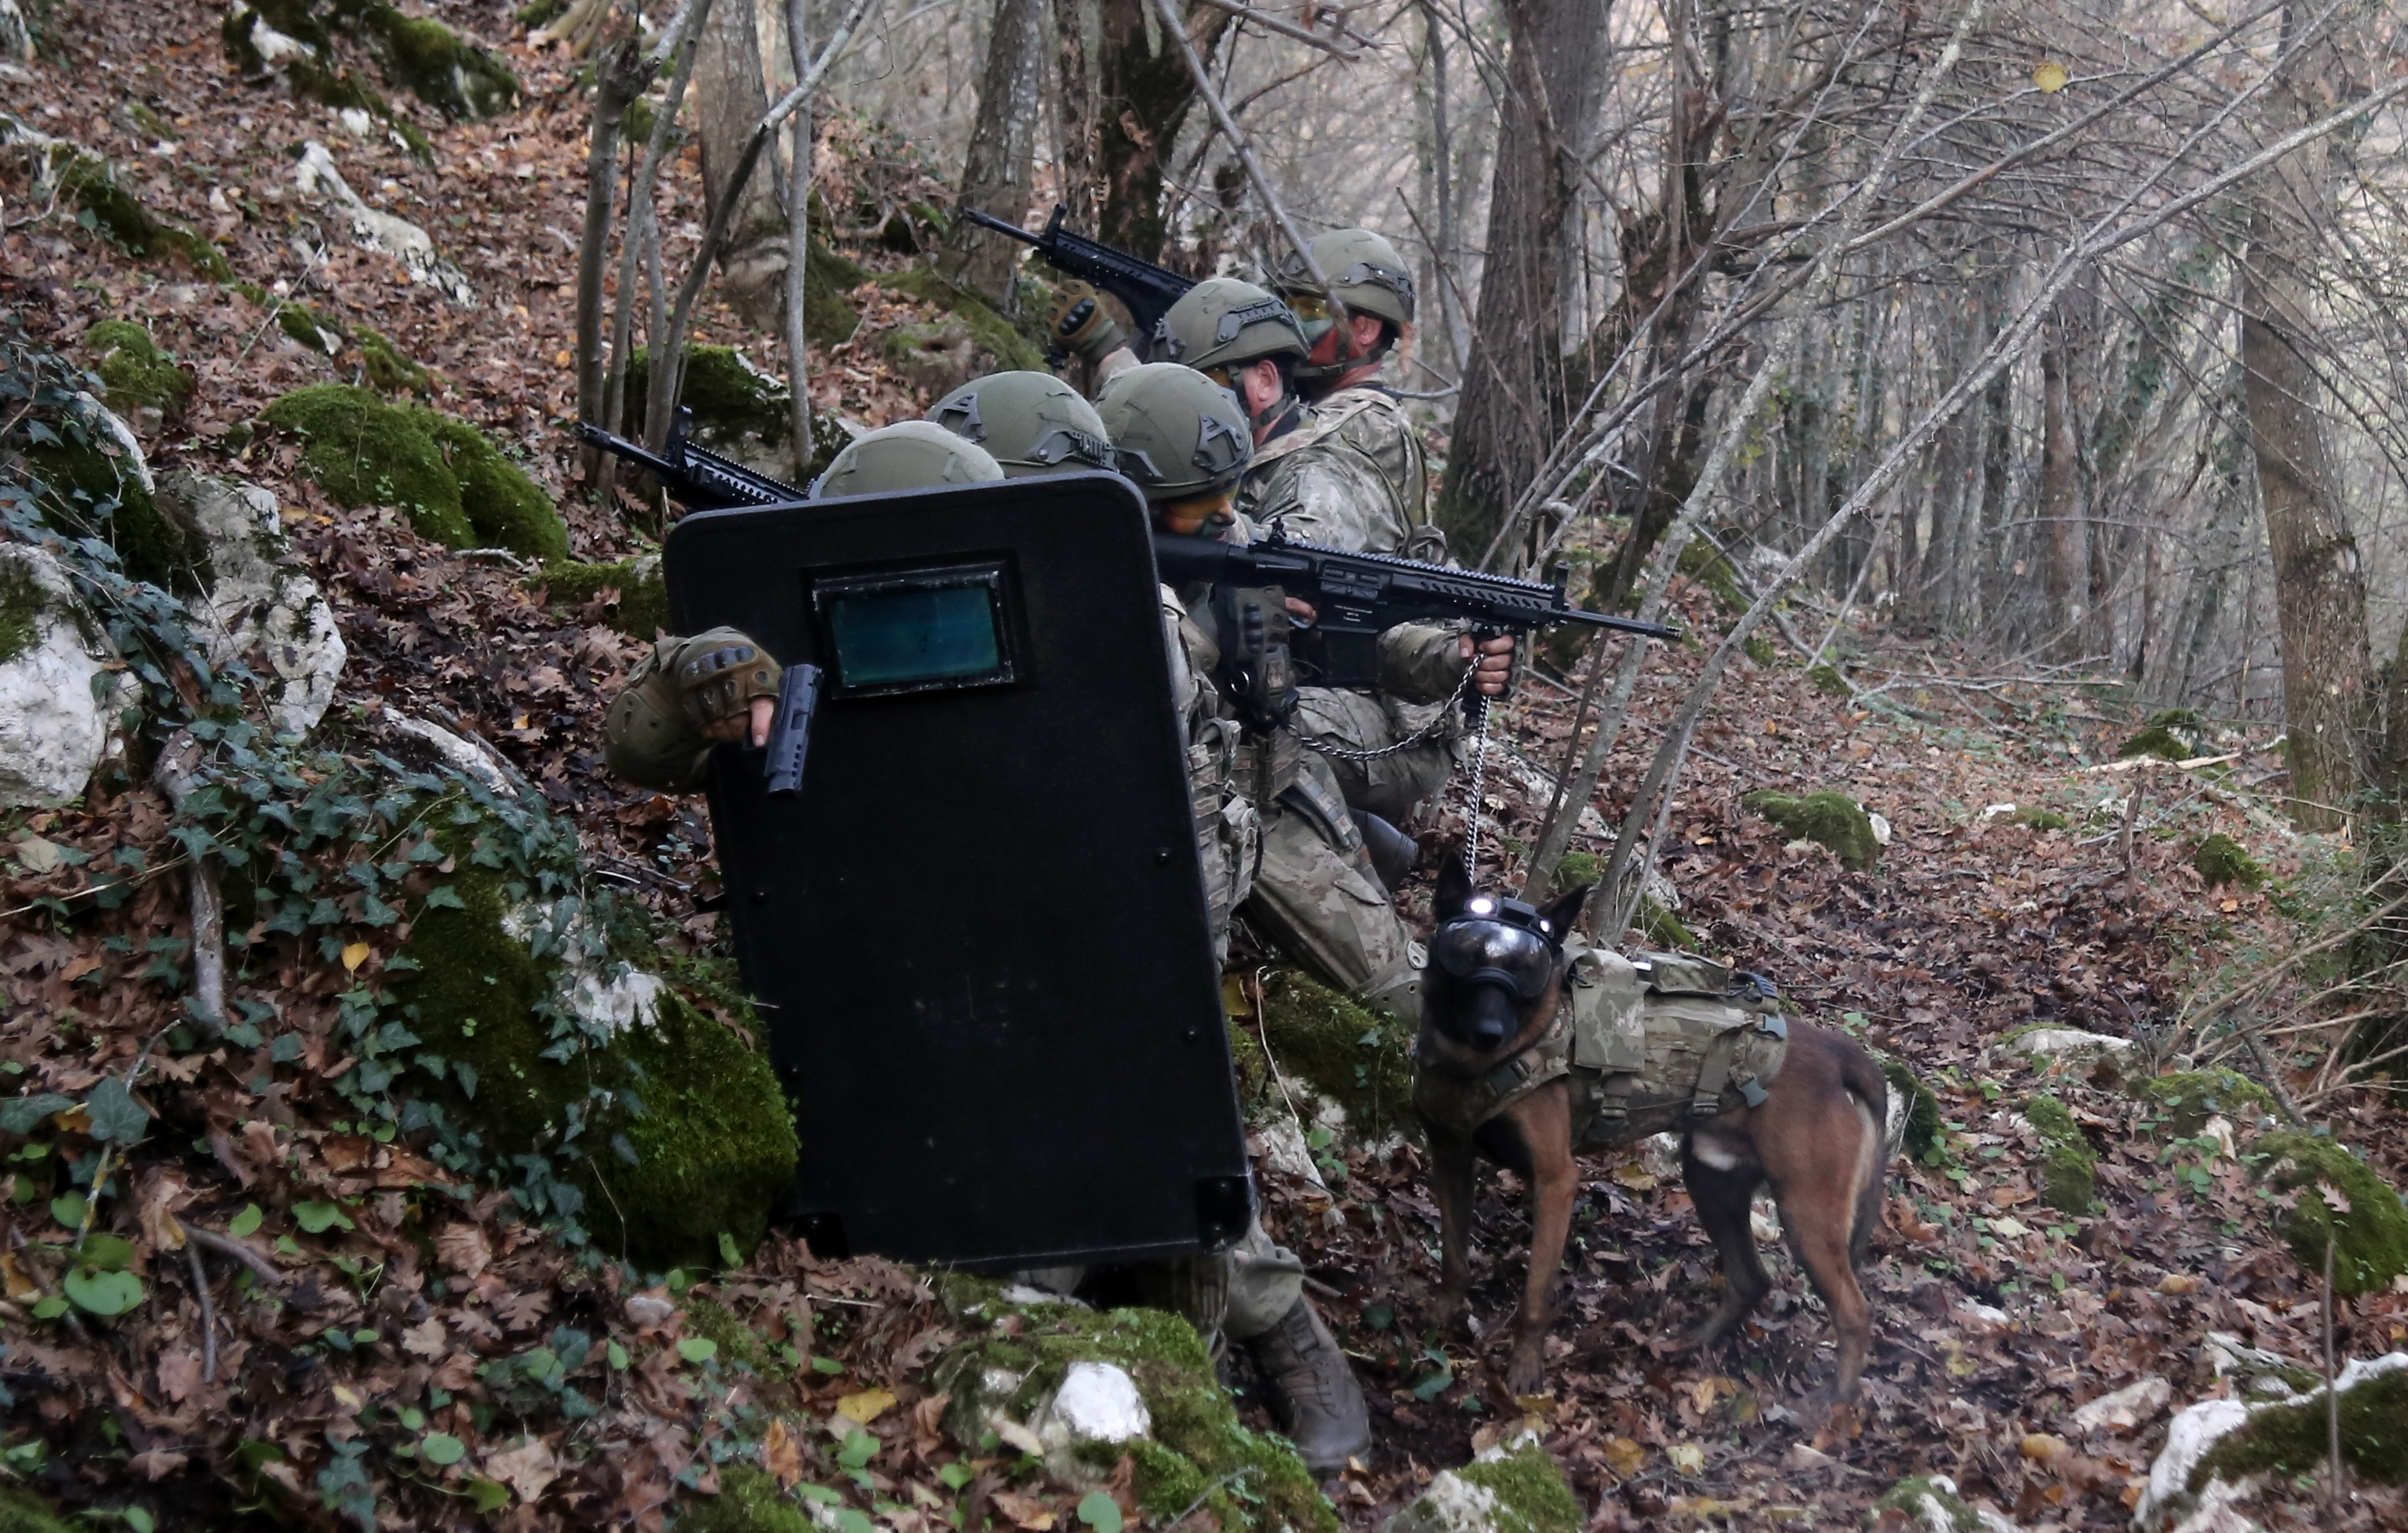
527, 1469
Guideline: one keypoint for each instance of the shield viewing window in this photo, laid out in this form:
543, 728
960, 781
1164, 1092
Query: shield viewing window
918, 630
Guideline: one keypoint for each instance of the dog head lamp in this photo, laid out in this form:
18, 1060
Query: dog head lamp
1500, 941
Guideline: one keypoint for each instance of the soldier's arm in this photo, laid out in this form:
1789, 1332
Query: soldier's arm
1420, 662
685, 696
1324, 494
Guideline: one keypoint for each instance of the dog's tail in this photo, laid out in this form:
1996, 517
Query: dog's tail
1870, 1091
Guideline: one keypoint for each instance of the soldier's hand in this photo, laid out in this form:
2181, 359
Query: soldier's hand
1494, 661
728, 686
1081, 322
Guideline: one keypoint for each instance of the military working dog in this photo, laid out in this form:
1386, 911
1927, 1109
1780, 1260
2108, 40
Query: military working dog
1492, 992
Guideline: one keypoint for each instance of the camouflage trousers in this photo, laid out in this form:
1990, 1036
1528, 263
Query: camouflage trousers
1388, 786
1317, 897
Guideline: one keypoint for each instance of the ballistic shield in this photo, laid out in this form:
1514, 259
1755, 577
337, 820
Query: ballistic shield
978, 933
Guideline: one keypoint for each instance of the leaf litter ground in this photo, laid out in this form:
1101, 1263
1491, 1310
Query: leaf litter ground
376, 1303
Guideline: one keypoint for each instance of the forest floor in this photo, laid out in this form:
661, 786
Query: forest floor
1996, 1316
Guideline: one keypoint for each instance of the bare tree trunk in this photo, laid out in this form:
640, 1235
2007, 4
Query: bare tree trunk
1513, 406
731, 98
2067, 572
1143, 92
1074, 110
623, 73
997, 173
798, 238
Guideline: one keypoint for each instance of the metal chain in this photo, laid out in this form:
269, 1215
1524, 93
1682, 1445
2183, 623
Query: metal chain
1472, 810
1431, 731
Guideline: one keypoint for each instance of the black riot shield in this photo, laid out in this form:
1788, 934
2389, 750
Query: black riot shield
978, 932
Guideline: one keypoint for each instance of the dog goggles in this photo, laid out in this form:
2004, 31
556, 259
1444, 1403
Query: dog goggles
1498, 941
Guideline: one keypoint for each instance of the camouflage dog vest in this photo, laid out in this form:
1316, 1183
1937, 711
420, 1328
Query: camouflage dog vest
1662, 1041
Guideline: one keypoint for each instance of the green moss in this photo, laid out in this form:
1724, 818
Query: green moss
1759, 649
1577, 871
454, 485
737, 1341
364, 453
827, 276
2295, 1439
1532, 1496
2069, 1177
321, 332
989, 331
1923, 1121
1704, 563
505, 508
712, 1140
1830, 819
1358, 1057
2159, 741
1908, 1496
388, 371
21, 600
107, 208
643, 595
1197, 1437
453, 76
137, 373
2221, 861
21, 1511
2369, 1238
90, 493
1664, 928
2190, 1098
1826, 679
749, 1502
2038, 819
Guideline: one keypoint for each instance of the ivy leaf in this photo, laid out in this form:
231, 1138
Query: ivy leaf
115, 1115
318, 1218
488, 1495
103, 1293
441, 1448
697, 1349
21, 1114
1101, 1512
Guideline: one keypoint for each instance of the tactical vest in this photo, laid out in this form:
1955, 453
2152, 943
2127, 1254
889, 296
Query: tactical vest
1662, 1042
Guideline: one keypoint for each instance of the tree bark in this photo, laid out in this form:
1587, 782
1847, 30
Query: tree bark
730, 99
1514, 406
2067, 566
1143, 92
998, 172
1074, 111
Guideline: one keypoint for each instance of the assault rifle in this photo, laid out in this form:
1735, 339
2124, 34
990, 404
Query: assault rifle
1356, 598
1147, 289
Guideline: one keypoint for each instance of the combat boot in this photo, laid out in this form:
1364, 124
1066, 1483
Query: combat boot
1312, 1390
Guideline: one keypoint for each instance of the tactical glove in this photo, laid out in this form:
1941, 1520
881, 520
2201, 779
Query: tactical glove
717, 676
657, 731
1080, 322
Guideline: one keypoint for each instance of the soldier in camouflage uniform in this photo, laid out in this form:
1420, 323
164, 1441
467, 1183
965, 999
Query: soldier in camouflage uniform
694, 692
1313, 482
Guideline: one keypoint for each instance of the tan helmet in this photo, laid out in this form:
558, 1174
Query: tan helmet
1177, 433
1222, 322
907, 455
1030, 422
1364, 270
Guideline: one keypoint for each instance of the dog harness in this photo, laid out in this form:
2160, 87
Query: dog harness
1662, 1041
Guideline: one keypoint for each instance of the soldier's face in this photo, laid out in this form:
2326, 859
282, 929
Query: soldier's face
1197, 514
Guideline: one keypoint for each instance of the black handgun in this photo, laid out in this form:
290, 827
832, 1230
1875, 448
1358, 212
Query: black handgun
1357, 597
790, 732
1148, 290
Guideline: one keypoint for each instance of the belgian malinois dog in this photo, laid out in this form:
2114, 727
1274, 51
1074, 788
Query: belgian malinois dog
1817, 1136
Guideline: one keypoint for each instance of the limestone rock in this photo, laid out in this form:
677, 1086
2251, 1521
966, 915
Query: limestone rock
1514, 1487
1095, 1404
462, 757
2197, 1429
16, 33
317, 176
2071, 1045
1930, 1504
2125, 1409
261, 603
54, 731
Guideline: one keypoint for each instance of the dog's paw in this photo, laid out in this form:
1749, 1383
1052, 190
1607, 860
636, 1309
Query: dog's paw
1525, 1374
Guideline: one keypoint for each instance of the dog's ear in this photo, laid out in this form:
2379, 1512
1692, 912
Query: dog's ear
1453, 886
1563, 913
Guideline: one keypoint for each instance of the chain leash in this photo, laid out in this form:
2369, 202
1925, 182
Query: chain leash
1479, 777
1431, 731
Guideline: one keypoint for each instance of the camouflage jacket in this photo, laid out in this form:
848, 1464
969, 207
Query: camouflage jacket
1351, 475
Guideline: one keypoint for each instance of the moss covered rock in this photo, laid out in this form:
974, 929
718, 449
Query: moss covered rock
1662, 927
2342, 1201
1706, 564
385, 368
1912, 1103
1827, 680
2170, 735
2221, 860
93, 484
643, 595
749, 1502
2294, 1439
21, 1511
139, 376
739, 411
446, 71
1198, 1450
1529, 1485
1356, 1057
996, 344
2069, 1168
2190, 1098
1830, 819
90, 183
453, 484
2039, 818
1930, 1504
694, 1142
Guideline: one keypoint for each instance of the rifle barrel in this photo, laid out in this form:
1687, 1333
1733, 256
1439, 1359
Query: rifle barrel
989, 221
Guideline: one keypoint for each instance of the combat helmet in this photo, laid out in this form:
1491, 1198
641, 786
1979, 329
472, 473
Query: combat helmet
1365, 274
1030, 422
1222, 323
1179, 434
907, 455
